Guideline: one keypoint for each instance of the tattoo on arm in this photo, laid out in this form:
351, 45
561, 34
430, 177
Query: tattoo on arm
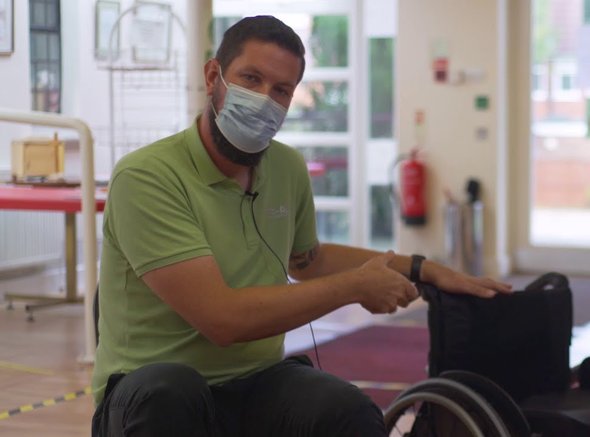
302, 260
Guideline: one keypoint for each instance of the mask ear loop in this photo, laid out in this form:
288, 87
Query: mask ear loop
221, 77
226, 87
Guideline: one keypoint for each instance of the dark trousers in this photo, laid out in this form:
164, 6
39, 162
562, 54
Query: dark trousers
290, 398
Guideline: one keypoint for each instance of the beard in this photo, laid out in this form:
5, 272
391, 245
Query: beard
227, 149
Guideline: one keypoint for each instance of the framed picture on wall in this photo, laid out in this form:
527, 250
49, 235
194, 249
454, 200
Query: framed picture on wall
6, 27
151, 33
107, 13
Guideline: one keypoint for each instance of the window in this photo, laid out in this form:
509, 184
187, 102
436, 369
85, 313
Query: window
345, 134
560, 146
381, 87
45, 53
586, 11
328, 167
536, 86
319, 123
319, 106
564, 71
567, 82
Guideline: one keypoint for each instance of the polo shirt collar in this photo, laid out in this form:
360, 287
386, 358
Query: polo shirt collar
205, 166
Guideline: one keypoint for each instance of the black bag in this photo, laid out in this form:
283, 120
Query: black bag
520, 341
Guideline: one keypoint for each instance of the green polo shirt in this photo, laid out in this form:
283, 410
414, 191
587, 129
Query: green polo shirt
168, 203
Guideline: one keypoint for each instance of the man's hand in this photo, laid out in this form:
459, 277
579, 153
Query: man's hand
455, 282
384, 289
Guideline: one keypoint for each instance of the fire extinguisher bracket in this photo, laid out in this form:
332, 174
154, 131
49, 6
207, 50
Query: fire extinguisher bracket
414, 221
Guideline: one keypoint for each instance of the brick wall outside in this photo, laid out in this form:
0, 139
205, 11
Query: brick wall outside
562, 176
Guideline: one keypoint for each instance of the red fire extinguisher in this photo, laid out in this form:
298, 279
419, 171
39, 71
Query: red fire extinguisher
412, 190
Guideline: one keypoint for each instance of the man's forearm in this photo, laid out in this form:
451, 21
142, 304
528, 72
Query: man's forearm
335, 258
328, 259
259, 312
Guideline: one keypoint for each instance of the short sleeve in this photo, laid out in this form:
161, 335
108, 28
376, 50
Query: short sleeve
305, 221
151, 222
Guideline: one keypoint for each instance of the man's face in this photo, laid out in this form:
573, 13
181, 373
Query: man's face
261, 67
224, 147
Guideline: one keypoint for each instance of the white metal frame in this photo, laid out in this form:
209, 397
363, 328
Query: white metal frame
88, 207
112, 67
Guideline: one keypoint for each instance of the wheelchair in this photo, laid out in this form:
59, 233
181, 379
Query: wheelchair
498, 368
458, 403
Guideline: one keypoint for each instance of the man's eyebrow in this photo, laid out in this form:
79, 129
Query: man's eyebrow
250, 70
256, 71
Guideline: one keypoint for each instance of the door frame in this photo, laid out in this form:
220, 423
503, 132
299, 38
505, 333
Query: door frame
525, 256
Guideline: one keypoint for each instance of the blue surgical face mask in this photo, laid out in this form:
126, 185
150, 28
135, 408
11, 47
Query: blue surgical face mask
249, 120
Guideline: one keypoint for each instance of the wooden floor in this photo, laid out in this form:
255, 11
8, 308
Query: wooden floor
42, 386
44, 390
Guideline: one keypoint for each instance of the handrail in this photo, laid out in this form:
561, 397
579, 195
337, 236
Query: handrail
88, 206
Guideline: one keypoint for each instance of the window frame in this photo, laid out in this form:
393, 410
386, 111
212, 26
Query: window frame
41, 96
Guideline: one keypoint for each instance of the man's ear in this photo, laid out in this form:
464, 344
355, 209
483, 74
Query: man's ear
211, 71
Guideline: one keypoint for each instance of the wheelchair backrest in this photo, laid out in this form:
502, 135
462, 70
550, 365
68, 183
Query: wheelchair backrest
520, 341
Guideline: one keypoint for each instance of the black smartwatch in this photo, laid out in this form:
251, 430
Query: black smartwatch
415, 267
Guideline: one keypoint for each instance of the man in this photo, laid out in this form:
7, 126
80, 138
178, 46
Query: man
200, 231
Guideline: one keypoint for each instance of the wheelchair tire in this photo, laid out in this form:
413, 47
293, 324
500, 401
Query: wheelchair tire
473, 404
511, 414
397, 426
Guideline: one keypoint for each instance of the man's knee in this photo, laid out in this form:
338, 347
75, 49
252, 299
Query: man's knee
169, 389
177, 386
351, 413
160, 399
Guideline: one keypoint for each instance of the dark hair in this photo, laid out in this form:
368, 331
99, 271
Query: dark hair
264, 28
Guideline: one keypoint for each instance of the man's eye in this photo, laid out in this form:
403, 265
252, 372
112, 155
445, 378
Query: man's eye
284, 92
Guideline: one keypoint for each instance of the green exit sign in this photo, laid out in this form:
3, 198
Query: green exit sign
482, 103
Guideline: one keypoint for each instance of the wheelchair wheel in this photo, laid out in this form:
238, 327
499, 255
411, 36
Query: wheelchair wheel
507, 409
430, 418
429, 415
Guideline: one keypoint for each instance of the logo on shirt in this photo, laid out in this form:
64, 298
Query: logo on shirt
277, 213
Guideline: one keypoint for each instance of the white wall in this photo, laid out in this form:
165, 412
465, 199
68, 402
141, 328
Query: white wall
85, 82
14, 83
85, 86
472, 33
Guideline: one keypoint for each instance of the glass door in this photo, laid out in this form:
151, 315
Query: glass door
554, 209
560, 119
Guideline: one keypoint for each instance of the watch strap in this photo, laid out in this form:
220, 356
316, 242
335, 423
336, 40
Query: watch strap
416, 267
